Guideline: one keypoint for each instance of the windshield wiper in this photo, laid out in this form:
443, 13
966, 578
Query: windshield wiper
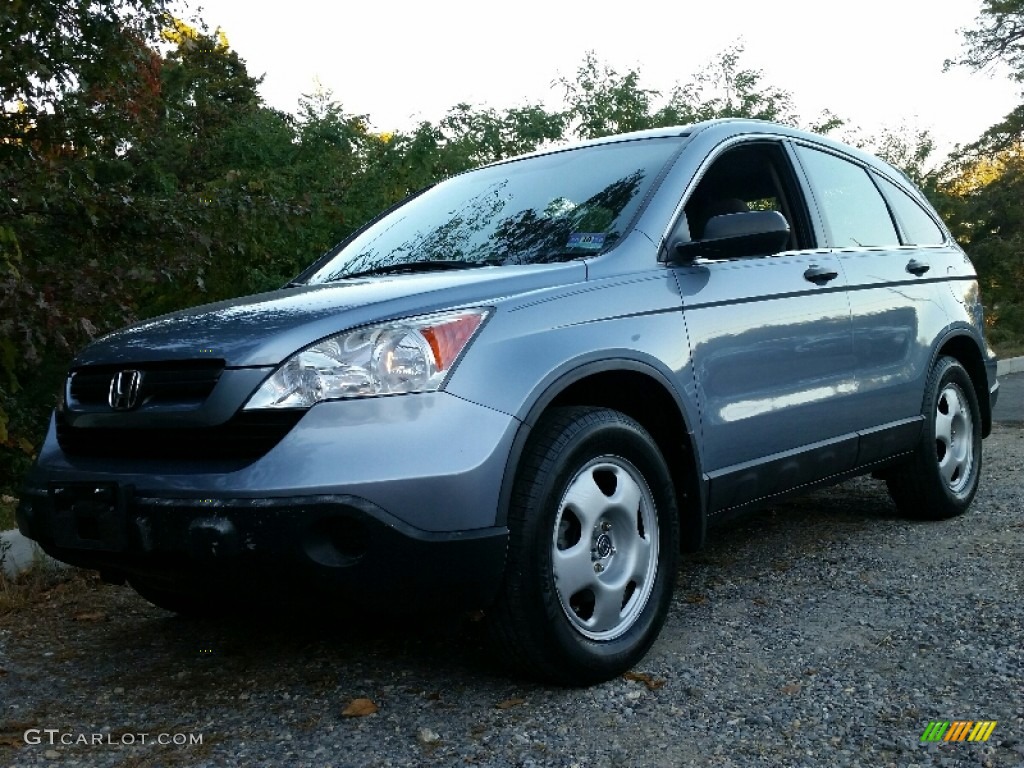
433, 265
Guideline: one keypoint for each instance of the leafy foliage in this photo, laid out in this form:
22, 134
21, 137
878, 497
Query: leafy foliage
984, 184
984, 205
724, 88
909, 149
600, 101
997, 37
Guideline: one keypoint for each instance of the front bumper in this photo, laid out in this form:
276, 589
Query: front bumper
338, 543
381, 498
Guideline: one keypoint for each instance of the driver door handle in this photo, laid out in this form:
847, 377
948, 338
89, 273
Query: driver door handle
916, 267
819, 275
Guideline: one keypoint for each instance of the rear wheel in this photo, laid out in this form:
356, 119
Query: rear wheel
941, 478
593, 543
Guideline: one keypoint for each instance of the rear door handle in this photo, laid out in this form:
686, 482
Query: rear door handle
819, 275
916, 267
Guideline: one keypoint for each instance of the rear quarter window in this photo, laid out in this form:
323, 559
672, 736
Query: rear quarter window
919, 228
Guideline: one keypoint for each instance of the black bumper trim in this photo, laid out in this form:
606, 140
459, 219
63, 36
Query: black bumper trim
336, 543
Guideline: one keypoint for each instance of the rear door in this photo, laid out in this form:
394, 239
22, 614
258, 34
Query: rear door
891, 252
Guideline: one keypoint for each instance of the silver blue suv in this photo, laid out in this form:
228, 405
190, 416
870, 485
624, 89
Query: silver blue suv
528, 388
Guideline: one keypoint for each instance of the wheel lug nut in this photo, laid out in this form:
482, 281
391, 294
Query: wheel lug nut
606, 526
598, 567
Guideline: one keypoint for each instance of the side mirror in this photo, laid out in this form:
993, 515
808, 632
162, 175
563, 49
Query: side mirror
735, 235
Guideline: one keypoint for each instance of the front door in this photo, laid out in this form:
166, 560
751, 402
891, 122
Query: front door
772, 340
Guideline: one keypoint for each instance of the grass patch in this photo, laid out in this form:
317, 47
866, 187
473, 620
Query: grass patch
7, 505
1006, 342
43, 582
1008, 349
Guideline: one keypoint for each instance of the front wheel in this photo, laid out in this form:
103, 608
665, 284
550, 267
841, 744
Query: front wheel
593, 547
940, 479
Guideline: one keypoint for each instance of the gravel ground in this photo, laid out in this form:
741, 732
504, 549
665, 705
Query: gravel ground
823, 631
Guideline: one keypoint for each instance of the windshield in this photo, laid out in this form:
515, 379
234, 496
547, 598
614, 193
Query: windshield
540, 209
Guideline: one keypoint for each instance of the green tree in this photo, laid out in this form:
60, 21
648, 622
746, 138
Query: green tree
600, 101
163, 182
997, 37
76, 80
984, 207
985, 179
912, 150
480, 136
54, 48
724, 88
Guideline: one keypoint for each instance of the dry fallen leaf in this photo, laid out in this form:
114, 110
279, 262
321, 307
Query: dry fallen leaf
652, 683
791, 688
359, 708
509, 703
695, 598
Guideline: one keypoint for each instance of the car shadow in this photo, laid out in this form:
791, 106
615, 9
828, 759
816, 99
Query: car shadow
323, 645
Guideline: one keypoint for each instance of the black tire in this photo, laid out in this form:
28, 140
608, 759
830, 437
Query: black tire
940, 479
191, 602
593, 491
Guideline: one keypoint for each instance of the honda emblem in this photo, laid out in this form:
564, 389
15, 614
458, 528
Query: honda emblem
124, 390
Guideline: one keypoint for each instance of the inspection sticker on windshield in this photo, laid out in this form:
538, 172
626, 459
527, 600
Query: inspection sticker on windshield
588, 241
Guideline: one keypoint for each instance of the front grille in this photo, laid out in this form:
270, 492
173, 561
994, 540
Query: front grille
246, 436
182, 382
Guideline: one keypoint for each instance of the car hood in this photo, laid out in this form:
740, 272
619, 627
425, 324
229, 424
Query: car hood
264, 329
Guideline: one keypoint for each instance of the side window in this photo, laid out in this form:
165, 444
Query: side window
855, 213
918, 227
754, 176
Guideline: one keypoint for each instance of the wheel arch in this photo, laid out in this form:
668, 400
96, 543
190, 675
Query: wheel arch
965, 349
644, 394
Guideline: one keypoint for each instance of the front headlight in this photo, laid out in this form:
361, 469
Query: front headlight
412, 355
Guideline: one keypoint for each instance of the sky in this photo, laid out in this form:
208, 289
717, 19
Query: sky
876, 63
